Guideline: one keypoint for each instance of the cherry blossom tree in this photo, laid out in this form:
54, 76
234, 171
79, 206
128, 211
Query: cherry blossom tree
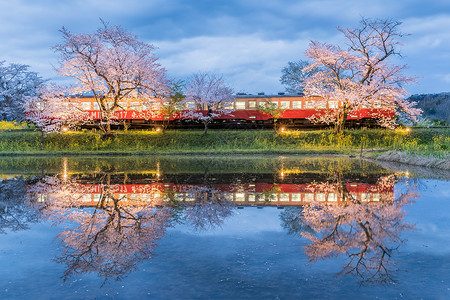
16, 84
211, 96
113, 66
360, 75
52, 109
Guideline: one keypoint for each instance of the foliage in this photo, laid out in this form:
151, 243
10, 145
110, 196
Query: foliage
272, 109
113, 66
294, 75
173, 103
435, 107
16, 84
360, 75
211, 96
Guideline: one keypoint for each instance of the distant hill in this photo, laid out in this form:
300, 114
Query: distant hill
434, 106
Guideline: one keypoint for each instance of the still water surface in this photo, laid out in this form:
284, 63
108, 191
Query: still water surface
222, 228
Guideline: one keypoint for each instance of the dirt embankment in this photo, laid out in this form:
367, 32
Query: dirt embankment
411, 159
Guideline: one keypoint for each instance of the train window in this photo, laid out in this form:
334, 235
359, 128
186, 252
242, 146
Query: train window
275, 103
320, 197
228, 105
240, 197
135, 106
309, 197
377, 104
332, 104
321, 104
272, 197
96, 106
146, 197
251, 104
284, 197
332, 197
135, 197
251, 197
296, 197
240, 104
190, 105
86, 198
284, 104
309, 104
296, 104
376, 197
86, 105
365, 197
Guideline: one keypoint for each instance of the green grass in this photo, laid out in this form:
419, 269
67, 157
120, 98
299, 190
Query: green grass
434, 142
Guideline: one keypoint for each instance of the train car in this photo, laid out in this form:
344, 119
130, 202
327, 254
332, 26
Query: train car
245, 194
297, 111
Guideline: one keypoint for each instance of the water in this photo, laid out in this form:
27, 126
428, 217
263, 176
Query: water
222, 228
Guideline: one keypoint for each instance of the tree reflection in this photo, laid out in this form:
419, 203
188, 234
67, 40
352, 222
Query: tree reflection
111, 237
209, 209
15, 212
366, 231
110, 232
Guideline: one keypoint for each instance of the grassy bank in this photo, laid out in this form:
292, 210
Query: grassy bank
429, 142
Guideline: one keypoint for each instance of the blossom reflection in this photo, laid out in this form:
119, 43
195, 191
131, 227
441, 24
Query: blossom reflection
110, 230
366, 227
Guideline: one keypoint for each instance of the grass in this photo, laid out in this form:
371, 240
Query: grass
430, 142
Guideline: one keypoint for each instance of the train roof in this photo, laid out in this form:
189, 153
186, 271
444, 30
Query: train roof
263, 95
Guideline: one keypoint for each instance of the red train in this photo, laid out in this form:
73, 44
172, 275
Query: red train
297, 109
246, 194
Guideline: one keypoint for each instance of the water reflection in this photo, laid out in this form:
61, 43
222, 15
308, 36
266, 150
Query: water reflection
15, 212
365, 225
114, 215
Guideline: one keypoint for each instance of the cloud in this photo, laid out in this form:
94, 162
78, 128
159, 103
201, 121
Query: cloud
249, 41
248, 61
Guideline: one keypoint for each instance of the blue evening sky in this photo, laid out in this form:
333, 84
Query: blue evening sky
248, 41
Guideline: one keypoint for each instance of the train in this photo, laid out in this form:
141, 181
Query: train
297, 111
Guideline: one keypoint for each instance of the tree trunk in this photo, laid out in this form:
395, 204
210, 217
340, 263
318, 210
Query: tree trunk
108, 127
206, 127
340, 122
42, 138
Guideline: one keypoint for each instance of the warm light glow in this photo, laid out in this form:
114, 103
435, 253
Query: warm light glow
282, 129
408, 129
65, 129
158, 129
281, 173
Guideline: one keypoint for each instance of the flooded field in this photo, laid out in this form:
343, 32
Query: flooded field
264, 227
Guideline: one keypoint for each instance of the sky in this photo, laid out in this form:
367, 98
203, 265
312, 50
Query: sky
248, 41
